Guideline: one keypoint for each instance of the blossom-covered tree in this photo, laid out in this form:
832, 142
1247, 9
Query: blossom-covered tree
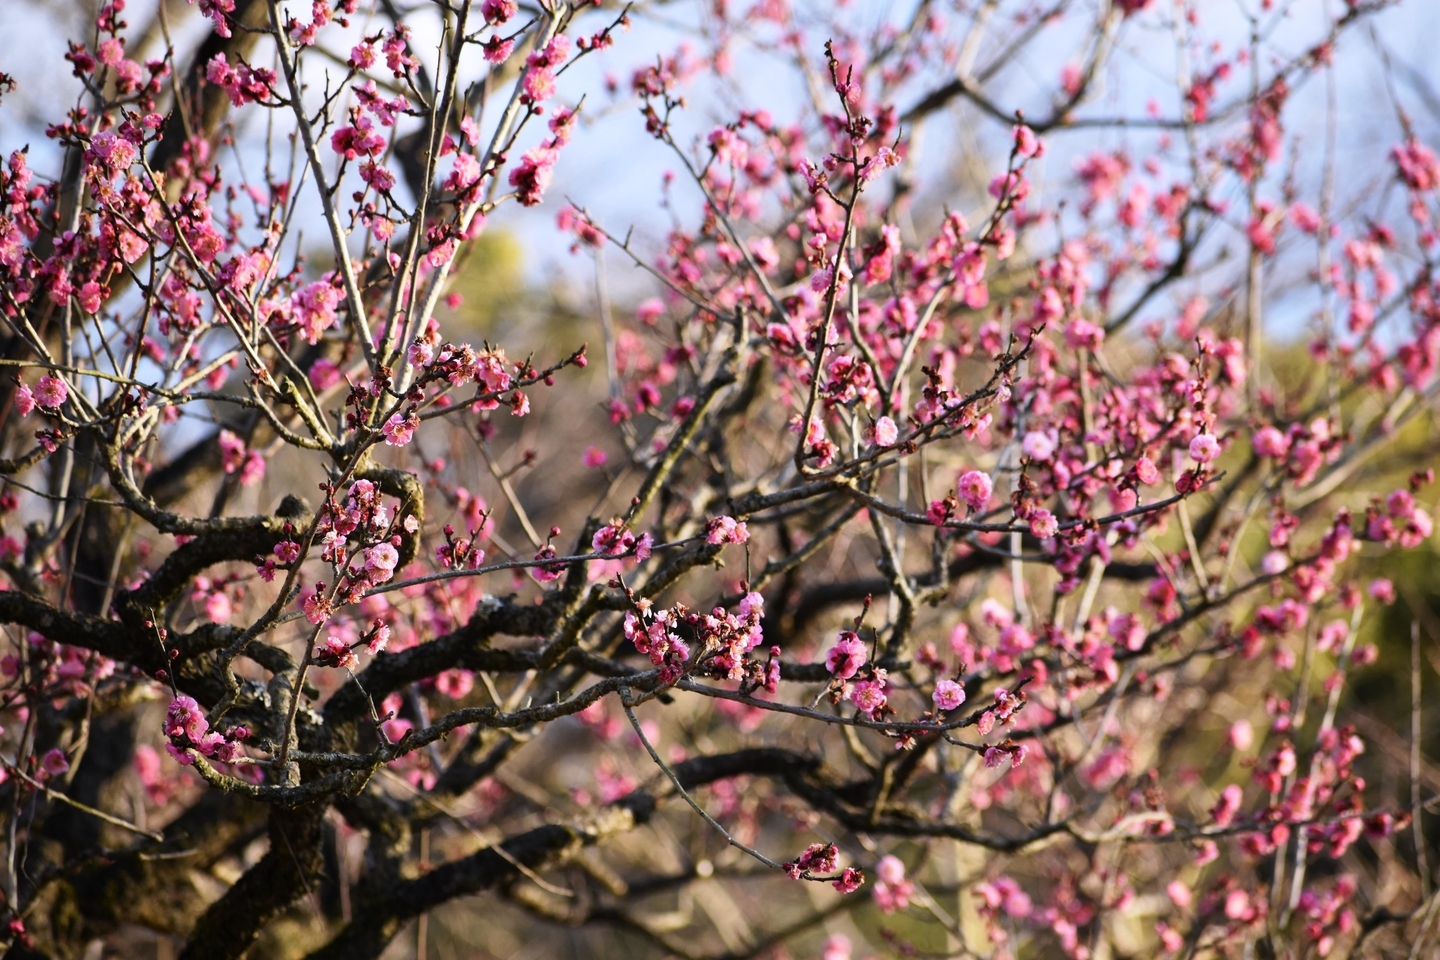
929, 561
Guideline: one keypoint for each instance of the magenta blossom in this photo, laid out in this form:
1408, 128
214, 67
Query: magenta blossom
975, 489
51, 392
846, 657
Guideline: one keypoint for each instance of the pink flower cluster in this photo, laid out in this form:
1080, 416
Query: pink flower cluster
187, 729
236, 458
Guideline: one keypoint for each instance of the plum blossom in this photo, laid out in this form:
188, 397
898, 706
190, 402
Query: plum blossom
1270, 442
340, 653
1225, 808
849, 881
892, 891
1038, 446
184, 718
886, 432
1026, 143
1241, 735
533, 174
726, 530
379, 638
1417, 165
236, 458
317, 607
1204, 448
869, 696
846, 657
1043, 524
497, 12
948, 695
613, 540
399, 430
54, 763
1146, 471
975, 489
50, 392
380, 562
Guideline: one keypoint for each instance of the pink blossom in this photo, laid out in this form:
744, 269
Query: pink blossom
1204, 448
399, 430
379, 638
455, 683
650, 311
612, 541
185, 719
314, 306
846, 657
975, 489
1084, 335
1304, 217
218, 607
1038, 446
54, 763
336, 649
252, 471
892, 891
849, 881
362, 56
1070, 79
1270, 442
24, 400
90, 295
51, 392
497, 49
324, 374
232, 451
726, 530
396, 728
886, 432
316, 606
1237, 906
884, 159
594, 457
497, 12
1043, 524
948, 695
1146, 471
1417, 165
360, 139
1224, 810
380, 562
869, 696
1026, 143
533, 175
